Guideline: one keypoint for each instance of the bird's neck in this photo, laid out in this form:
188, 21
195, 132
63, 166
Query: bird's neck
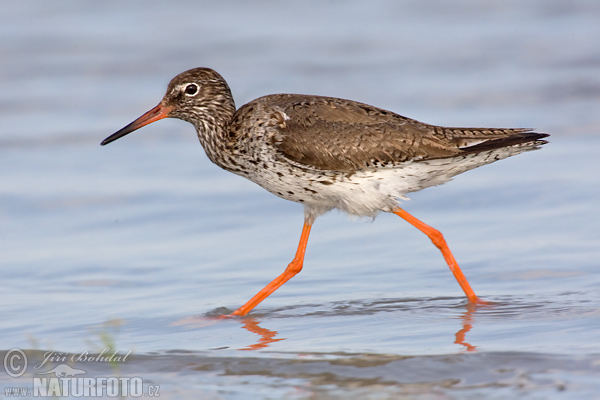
212, 128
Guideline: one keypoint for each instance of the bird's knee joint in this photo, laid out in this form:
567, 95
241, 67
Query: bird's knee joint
294, 267
437, 238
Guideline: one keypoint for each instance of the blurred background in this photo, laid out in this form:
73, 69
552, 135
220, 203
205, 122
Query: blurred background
137, 244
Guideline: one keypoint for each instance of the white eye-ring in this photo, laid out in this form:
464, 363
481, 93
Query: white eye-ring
191, 89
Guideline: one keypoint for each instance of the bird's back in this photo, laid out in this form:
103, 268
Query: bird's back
334, 134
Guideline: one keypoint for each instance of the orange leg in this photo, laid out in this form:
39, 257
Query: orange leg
292, 269
438, 240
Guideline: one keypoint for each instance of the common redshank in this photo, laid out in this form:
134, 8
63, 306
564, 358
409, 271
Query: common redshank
328, 153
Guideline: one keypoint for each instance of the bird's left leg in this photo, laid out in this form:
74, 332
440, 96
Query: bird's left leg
438, 240
292, 269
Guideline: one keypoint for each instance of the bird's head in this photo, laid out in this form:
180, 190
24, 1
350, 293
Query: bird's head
199, 96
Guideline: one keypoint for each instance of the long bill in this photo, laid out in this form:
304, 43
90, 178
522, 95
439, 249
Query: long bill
157, 113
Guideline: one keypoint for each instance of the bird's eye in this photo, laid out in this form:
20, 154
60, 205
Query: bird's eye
191, 89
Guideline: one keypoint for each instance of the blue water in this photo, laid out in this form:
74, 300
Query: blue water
134, 246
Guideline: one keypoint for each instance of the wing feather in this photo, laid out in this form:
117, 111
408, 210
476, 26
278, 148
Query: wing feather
334, 134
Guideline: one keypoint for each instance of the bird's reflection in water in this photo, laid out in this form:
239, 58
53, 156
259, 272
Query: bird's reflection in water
266, 336
467, 323
251, 324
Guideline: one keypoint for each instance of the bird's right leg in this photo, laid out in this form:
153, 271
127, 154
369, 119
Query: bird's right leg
438, 240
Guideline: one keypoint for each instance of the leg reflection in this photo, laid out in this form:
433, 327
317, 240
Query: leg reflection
267, 336
467, 324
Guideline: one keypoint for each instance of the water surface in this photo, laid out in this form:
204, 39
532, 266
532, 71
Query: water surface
136, 246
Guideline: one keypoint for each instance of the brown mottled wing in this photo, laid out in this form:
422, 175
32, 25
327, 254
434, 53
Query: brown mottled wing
342, 135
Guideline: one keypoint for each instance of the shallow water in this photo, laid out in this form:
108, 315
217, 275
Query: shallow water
138, 245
